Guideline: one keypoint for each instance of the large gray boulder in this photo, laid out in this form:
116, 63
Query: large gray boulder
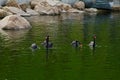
14, 22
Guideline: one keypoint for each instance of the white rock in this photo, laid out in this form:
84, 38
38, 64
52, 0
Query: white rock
91, 10
45, 8
79, 5
33, 3
16, 10
75, 11
52, 2
14, 22
3, 13
64, 6
31, 12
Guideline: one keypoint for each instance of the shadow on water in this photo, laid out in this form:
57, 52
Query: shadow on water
93, 51
48, 53
13, 35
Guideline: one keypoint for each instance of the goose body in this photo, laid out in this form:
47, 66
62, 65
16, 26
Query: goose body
76, 44
92, 44
34, 46
47, 44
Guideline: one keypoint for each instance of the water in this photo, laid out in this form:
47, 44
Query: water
63, 62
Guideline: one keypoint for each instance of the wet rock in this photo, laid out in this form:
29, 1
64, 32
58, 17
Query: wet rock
75, 11
79, 5
116, 8
91, 10
14, 22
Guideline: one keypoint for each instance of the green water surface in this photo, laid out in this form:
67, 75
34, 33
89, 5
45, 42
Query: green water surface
63, 62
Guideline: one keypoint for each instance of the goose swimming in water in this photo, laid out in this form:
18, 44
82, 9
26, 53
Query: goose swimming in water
47, 44
76, 44
34, 46
92, 44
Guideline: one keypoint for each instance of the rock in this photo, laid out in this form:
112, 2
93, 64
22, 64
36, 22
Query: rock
9, 13
12, 3
33, 3
75, 11
31, 12
16, 10
23, 6
54, 7
14, 22
53, 2
116, 8
79, 5
3, 13
91, 10
45, 8
53, 11
64, 6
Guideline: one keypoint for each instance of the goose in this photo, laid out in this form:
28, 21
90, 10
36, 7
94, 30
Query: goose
92, 44
34, 46
47, 44
76, 43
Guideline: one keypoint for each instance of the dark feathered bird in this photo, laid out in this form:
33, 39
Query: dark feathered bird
47, 45
34, 46
76, 44
92, 44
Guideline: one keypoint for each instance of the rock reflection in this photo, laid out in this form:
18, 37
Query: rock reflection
13, 34
55, 19
76, 16
43, 19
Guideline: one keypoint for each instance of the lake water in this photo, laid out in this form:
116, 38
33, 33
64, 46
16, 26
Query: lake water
63, 62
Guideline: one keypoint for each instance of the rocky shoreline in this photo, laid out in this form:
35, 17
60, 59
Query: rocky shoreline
36, 8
